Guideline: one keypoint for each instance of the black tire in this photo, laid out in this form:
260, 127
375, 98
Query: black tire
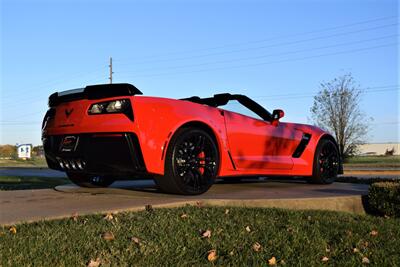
92, 181
191, 163
326, 163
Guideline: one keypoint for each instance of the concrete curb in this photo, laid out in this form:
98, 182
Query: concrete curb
350, 204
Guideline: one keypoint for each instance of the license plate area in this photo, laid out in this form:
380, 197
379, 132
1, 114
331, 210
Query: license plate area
69, 143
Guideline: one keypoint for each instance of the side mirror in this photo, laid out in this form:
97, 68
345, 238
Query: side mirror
276, 115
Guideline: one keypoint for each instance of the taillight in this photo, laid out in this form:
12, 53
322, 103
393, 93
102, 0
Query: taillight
111, 107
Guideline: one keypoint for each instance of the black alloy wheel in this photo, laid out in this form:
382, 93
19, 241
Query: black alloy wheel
191, 163
326, 163
93, 181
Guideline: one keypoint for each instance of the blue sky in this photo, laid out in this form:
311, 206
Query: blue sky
275, 51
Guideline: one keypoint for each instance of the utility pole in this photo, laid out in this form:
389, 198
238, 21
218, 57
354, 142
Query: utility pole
111, 71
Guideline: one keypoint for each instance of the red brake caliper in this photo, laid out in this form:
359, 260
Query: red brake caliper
202, 161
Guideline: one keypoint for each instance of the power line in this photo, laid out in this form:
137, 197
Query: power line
269, 45
273, 38
270, 62
267, 55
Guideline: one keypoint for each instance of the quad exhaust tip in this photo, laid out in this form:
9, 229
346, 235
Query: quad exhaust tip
71, 164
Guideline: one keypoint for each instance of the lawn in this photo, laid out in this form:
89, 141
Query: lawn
29, 182
377, 161
173, 237
34, 162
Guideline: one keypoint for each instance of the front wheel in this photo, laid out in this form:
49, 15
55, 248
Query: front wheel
93, 181
326, 163
191, 163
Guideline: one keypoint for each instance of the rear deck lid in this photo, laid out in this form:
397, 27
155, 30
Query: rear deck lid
93, 92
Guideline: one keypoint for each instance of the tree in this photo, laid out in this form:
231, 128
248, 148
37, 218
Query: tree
336, 109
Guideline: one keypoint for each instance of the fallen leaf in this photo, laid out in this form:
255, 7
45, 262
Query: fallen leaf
327, 250
325, 259
109, 217
256, 247
356, 250
374, 233
13, 230
231, 253
272, 261
365, 260
282, 262
226, 211
199, 204
94, 263
309, 218
183, 216
148, 208
206, 234
108, 236
248, 229
212, 255
74, 217
135, 240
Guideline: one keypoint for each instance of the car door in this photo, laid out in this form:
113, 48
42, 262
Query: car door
257, 144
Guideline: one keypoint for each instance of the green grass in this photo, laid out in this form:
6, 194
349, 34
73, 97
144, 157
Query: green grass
295, 238
383, 161
28, 182
34, 162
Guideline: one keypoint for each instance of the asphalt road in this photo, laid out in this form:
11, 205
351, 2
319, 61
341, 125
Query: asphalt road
44, 172
64, 201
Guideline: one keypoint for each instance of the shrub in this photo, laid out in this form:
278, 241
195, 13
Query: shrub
384, 198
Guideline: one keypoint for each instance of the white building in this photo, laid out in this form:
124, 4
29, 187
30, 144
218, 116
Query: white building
379, 149
24, 151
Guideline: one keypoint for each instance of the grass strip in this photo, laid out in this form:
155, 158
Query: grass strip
173, 237
30, 182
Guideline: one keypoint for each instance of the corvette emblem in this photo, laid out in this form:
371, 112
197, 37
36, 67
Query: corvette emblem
68, 112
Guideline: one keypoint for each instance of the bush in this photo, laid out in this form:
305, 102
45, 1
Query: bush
384, 198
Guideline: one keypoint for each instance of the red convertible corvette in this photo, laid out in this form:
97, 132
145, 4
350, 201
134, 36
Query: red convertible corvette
102, 133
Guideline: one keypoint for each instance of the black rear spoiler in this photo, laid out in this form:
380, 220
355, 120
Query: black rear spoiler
94, 92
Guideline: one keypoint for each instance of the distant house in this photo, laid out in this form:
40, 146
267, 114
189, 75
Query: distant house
24, 151
379, 149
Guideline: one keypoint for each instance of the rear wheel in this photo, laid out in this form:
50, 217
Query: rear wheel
191, 163
326, 163
86, 180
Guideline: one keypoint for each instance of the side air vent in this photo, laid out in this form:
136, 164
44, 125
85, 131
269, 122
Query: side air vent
303, 144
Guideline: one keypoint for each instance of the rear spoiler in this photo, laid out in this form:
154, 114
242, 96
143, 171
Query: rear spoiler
94, 92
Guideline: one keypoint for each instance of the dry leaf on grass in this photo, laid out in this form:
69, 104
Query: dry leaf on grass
256, 247
365, 260
74, 217
206, 234
109, 217
13, 230
248, 229
356, 250
226, 211
94, 263
374, 233
272, 261
212, 255
108, 236
135, 240
183, 216
325, 259
199, 204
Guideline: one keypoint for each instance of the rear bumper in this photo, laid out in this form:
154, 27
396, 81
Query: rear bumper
116, 154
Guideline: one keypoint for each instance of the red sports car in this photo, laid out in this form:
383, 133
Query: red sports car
102, 133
